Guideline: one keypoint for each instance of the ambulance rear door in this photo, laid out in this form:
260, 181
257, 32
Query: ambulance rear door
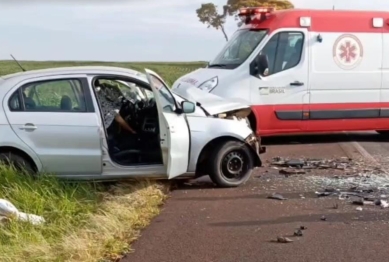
345, 79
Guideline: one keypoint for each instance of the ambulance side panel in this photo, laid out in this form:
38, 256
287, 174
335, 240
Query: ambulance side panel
345, 85
385, 82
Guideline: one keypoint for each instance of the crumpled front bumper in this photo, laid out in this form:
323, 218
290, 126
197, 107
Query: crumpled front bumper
255, 143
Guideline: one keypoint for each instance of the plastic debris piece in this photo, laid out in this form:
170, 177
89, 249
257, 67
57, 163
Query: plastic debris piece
284, 240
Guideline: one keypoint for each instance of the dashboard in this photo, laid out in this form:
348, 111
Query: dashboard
140, 115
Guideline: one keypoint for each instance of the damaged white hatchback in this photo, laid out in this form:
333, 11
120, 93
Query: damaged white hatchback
51, 121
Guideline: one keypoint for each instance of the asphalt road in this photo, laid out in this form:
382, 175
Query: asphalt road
201, 223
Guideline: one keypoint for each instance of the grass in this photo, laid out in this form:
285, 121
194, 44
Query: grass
169, 71
84, 221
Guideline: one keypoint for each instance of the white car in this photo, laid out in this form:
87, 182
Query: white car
50, 121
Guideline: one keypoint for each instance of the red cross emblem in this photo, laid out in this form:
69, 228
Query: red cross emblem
348, 52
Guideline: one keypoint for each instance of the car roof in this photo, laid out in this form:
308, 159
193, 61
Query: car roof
17, 77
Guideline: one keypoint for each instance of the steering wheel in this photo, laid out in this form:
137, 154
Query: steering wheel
128, 111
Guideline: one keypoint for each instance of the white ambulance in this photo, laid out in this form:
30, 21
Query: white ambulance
305, 71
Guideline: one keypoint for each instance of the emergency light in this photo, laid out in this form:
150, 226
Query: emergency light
249, 14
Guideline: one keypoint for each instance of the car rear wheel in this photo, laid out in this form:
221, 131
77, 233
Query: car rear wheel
231, 164
16, 161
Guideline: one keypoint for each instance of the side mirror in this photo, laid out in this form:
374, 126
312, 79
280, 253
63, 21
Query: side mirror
188, 107
262, 65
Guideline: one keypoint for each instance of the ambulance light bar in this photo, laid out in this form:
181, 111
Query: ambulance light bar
250, 13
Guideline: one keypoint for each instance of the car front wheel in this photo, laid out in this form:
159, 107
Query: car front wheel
231, 164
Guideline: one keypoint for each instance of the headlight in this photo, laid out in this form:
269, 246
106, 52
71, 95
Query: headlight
209, 84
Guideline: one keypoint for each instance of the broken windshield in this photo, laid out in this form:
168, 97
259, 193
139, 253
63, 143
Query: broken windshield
238, 49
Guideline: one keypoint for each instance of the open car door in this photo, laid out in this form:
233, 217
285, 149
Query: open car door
173, 128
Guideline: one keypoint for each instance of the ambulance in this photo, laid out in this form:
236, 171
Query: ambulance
304, 71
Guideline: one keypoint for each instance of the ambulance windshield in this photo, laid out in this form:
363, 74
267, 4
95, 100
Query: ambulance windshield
238, 49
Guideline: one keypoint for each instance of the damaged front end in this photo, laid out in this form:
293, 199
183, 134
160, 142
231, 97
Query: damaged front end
255, 145
252, 140
235, 114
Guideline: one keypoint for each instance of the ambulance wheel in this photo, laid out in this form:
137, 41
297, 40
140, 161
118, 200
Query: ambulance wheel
231, 164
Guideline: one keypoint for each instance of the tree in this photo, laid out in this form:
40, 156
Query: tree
208, 14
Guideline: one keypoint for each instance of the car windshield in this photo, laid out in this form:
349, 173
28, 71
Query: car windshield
131, 91
238, 49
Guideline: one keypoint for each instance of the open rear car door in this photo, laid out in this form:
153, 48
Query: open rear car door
173, 128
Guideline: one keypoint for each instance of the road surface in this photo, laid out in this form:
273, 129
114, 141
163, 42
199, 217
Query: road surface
202, 224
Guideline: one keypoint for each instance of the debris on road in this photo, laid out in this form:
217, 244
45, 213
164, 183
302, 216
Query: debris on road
363, 202
323, 218
358, 202
308, 163
288, 172
288, 166
284, 240
303, 227
384, 204
323, 194
298, 233
360, 189
276, 196
359, 208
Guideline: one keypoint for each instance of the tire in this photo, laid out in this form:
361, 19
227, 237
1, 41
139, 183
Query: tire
225, 155
18, 162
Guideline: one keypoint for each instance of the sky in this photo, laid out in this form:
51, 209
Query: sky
122, 30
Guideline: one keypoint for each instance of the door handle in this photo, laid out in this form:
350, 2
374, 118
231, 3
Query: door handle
28, 126
297, 83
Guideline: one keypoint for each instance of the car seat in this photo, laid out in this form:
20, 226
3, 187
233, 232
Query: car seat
29, 103
66, 103
295, 57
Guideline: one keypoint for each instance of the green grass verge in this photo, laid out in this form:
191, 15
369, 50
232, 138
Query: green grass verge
84, 221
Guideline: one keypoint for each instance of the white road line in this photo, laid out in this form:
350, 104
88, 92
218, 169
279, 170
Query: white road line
363, 152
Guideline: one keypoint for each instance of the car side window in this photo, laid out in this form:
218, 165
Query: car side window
284, 51
64, 95
15, 102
